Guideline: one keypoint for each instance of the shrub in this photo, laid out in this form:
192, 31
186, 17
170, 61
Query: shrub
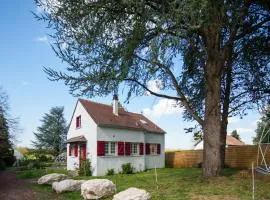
85, 168
2, 165
127, 168
36, 164
110, 172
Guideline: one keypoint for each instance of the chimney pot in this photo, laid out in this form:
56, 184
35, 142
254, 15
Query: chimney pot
115, 104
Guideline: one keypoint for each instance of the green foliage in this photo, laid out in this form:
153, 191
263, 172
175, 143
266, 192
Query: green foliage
127, 168
235, 135
110, 172
6, 151
2, 164
51, 135
85, 168
36, 164
263, 127
37, 173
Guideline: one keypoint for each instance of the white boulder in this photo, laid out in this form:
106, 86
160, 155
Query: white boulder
97, 188
67, 185
50, 178
132, 194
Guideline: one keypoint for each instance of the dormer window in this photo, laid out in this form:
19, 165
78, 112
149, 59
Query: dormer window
78, 122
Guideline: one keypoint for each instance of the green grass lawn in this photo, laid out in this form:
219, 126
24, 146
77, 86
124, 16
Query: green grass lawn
171, 184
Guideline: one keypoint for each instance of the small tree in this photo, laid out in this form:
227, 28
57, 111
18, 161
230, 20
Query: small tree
51, 135
235, 135
263, 127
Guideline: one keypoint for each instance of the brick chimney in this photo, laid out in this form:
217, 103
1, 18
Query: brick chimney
115, 104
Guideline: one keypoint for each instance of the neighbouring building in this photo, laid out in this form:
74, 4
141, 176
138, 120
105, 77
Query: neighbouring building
230, 141
110, 136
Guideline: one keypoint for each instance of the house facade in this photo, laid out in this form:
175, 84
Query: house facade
110, 136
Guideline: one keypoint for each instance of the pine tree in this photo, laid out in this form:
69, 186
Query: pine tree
6, 151
51, 135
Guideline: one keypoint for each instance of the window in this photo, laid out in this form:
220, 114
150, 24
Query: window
73, 150
135, 148
153, 149
78, 122
110, 148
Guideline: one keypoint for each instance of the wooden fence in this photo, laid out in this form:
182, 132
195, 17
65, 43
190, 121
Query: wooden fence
236, 157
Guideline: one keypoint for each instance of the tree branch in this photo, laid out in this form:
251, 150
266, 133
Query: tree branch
183, 99
150, 91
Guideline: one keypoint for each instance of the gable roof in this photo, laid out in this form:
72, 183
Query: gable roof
103, 116
232, 141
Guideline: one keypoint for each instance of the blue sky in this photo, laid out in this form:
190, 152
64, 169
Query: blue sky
25, 49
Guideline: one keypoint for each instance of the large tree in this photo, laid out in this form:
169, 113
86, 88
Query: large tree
6, 123
263, 128
181, 44
51, 135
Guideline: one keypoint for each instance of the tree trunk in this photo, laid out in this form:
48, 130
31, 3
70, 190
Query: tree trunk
223, 135
212, 118
226, 102
212, 126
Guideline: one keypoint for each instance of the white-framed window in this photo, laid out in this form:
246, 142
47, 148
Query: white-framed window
135, 148
153, 149
110, 148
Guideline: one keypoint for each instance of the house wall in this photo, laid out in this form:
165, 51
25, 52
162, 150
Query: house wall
88, 129
115, 162
155, 161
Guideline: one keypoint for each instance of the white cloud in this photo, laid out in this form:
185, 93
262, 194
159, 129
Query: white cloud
233, 120
163, 107
245, 130
154, 85
42, 39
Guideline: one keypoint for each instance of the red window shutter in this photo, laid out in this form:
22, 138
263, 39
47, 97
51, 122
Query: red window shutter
76, 150
158, 148
141, 148
84, 151
147, 149
121, 148
127, 148
70, 149
100, 148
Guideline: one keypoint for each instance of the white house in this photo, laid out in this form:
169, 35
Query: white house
110, 136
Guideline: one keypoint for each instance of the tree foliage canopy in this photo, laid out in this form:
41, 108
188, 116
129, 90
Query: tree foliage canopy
108, 42
6, 151
51, 135
263, 128
235, 135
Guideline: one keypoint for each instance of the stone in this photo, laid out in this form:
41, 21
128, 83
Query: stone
97, 188
50, 178
132, 194
61, 158
67, 185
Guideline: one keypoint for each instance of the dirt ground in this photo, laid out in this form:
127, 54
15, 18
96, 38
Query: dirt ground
12, 188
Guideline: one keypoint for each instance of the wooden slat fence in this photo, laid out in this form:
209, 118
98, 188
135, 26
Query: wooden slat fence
236, 157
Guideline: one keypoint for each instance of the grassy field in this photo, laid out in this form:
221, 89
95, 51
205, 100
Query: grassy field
172, 184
